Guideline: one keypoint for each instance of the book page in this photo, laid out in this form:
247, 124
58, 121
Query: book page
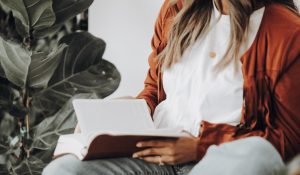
71, 144
120, 115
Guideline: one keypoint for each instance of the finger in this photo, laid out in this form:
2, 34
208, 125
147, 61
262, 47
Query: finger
147, 152
156, 143
153, 152
154, 159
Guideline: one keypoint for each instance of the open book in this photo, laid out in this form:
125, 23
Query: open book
111, 128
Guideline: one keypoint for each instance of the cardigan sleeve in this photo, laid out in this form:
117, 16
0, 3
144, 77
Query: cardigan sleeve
150, 91
284, 132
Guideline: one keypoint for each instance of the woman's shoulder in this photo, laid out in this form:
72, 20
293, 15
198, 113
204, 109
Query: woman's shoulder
168, 12
281, 30
170, 8
281, 17
281, 26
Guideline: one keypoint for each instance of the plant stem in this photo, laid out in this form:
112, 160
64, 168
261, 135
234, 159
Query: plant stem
27, 126
26, 103
28, 43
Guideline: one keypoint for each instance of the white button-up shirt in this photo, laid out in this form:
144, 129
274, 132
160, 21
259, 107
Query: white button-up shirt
193, 92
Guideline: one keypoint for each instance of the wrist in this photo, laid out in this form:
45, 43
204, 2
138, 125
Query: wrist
197, 145
199, 150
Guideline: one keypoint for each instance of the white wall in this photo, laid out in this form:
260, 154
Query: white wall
127, 27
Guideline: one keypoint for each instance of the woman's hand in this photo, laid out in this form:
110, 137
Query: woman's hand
170, 152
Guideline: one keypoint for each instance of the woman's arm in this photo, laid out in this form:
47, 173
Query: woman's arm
150, 91
285, 137
284, 132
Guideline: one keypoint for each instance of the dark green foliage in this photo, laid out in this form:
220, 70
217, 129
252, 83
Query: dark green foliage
43, 66
64, 10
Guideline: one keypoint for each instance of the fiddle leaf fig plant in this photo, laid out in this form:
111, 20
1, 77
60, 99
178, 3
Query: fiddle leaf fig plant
31, 15
39, 18
38, 82
15, 61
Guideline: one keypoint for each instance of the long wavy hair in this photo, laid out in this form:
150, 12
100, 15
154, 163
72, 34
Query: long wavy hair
193, 21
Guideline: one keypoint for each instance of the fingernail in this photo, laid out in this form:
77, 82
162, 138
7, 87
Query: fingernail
134, 156
138, 145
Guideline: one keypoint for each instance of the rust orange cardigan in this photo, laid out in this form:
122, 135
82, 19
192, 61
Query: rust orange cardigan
271, 72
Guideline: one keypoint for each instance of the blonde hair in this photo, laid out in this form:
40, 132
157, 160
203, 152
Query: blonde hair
193, 21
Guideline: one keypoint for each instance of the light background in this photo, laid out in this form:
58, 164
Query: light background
127, 27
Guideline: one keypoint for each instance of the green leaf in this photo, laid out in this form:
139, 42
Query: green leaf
64, 10
15, 61
81, 70
7, 24
3, 148
3, 169
19, 11
29, 166
32, 14
23, 67
6, 97
46, 133
43, 66
102, 79
2, 73
4, 8
7, 125
84, 50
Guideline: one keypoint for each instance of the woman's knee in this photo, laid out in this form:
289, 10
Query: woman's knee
255, 151
65, 165
248, 156
70, 165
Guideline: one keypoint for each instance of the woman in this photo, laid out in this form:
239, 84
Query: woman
226, 71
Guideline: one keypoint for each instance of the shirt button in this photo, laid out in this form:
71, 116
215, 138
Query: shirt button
212, 54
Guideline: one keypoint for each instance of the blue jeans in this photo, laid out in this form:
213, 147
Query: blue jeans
251, 156
70, 165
